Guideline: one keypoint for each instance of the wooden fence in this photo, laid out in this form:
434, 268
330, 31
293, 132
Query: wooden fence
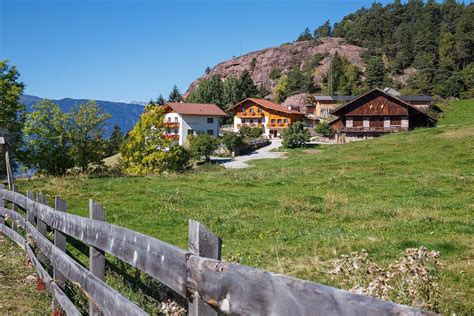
209, 284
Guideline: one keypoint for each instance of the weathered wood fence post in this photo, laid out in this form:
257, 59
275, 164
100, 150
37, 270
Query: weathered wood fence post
30, 216
202, 243
59, 241
96, 256
42, 227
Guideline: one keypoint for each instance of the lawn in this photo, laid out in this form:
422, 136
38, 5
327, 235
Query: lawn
296, 215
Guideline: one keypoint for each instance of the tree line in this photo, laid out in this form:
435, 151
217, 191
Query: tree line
436, 40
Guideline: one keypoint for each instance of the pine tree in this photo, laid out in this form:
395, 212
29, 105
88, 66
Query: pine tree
247, 86
175, 95
323, 30
375, 73
305, 35
115, 141
160, 100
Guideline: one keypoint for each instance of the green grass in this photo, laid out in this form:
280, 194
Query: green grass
18, 295
293, 216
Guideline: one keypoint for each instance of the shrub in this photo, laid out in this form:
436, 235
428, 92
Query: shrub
411, 280
202, 145
295, 136
248, 132
232, 140
275, 74
324, 129
177, 159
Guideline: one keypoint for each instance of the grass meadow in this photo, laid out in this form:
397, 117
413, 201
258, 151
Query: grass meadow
296, 215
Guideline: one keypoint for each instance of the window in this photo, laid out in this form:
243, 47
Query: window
395, 121
176, 131
286, 121
176, 119
252, 110
252, 121
210, 120
273, 121
190, 132
279, 121
259, 110
169, 119
210, 132
259, 121
243, 110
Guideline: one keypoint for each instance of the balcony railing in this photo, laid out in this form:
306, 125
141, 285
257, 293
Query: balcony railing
250, 114
171, 136
278, 125
259, 125
375, 129
172, 124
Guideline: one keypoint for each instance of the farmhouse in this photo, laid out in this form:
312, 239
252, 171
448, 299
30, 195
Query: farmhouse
378, 112
183, 119
270, 117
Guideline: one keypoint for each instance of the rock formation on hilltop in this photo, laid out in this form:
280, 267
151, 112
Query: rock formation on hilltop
261, 63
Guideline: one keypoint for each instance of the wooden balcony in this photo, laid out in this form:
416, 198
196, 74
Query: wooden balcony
278, 125
250, 114
172, 124
253, 125
171, 136
381, 129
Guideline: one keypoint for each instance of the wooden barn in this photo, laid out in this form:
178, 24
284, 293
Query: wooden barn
378, 112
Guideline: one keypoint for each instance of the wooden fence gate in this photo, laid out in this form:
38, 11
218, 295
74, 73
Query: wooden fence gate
210, 285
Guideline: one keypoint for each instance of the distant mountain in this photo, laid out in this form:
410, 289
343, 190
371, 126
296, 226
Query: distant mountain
123, 114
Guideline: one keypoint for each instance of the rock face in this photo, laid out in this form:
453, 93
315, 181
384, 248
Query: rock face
261, 63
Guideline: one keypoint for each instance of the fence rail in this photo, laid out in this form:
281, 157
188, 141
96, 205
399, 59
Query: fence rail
209, 284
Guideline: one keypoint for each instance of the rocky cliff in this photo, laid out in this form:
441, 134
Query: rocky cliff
261, 63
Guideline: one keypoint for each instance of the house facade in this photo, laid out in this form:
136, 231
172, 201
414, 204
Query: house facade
377, 112
184, 119
272, 118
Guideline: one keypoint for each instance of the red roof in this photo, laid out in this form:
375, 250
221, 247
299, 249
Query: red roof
269, 105
195, 109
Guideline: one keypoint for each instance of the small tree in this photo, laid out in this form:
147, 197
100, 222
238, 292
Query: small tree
115, 141
160, 100
232, 140
175, 95
177, 159
47, 142
324, 129
305, 35
295, 136
143, 152
202, 145
249, 133
87, 134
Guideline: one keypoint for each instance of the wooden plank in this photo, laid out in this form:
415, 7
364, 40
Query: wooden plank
42, 227
236, 289
30, 217
13, 235
110, 301
202, 243
60, 242
9, 168
96, 256
2, 204
15, 209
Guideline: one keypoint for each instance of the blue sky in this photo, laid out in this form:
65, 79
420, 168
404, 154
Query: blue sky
126, 50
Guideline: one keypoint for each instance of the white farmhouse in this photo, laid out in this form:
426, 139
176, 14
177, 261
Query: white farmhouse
183, 119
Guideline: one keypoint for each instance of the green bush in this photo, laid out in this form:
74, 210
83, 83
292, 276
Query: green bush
324, 129
177, 159
202, 145
248, 132
232, 140
295, 136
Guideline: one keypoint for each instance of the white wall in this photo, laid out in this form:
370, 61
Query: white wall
199, 125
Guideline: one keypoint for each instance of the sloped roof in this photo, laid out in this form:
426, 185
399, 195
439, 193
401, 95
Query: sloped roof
203, 109
333, 112
416, 98
268, 105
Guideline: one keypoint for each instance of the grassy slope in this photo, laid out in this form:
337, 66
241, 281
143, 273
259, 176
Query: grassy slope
294, 215
19, 296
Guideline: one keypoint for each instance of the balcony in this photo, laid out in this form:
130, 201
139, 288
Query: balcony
172, 124
278, 125
378, 129
250, 114
171, 136
254, 125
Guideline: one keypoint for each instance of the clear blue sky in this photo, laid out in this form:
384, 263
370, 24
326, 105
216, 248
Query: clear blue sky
124, 50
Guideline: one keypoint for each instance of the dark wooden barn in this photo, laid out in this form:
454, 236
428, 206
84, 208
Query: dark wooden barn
376, 113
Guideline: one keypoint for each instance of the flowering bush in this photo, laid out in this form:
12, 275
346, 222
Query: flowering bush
411, 280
